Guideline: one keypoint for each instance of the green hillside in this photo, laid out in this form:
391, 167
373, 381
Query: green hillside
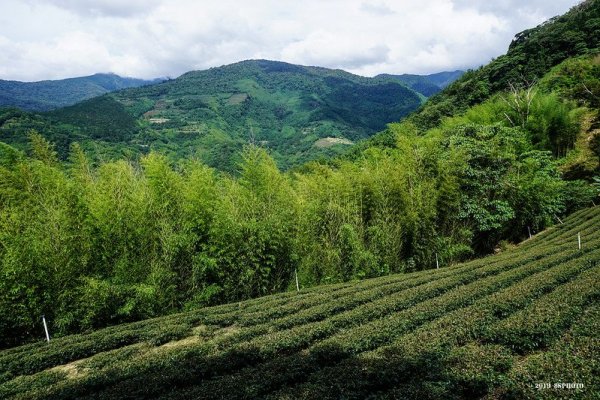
298, 113
48, 95
498, 327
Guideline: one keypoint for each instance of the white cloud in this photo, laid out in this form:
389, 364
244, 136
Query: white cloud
376, 8
323, 48
107, 8
49, 39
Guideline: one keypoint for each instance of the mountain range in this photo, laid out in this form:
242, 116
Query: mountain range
298, 112
51, 94
427, 85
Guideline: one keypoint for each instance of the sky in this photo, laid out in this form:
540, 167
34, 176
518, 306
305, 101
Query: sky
56, 39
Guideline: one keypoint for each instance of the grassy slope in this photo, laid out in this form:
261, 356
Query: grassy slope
494, 326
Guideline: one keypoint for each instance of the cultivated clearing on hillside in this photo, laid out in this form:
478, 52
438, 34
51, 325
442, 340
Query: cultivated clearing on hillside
519, 324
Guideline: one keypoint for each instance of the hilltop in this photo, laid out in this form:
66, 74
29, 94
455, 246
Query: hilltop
502, 327
51, 94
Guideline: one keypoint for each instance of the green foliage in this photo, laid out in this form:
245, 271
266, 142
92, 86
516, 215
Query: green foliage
9, 155
15, 126
140, 239
41, 149
99, 118
554, 124
536, 192
577, 78
252, 237
43, 247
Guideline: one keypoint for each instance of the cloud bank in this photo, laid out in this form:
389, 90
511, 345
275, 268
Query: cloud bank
54, 39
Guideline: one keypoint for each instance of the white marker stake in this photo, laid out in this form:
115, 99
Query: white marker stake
437, 264
529, 231
46, 328
579, 240
297, 285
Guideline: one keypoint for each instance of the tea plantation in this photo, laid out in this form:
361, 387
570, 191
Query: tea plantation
520, 324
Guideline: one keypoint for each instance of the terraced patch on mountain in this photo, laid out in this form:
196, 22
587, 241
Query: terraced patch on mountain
519, 324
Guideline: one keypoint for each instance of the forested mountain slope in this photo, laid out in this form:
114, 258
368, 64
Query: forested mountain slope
519, 324
298, 113
48, 95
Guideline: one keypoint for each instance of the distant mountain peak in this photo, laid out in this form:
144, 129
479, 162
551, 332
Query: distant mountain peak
427, 85
51, 94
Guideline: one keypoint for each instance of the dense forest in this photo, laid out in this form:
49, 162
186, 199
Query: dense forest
91, 243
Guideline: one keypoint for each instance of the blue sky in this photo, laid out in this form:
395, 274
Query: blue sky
54, 39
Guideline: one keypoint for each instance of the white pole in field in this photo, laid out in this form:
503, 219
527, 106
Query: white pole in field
579, 240
297, 285
529, 231
46, 328
437, 264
